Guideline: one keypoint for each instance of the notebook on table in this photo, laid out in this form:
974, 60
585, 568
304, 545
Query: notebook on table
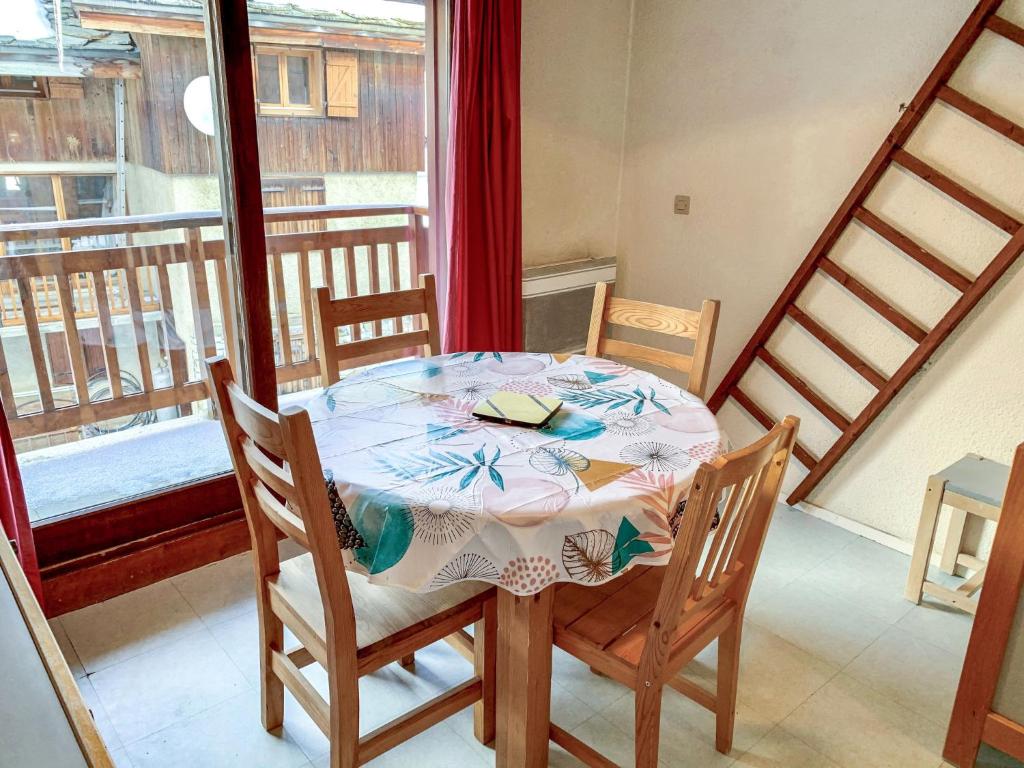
517, 409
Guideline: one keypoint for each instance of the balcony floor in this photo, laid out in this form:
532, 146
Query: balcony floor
110, 468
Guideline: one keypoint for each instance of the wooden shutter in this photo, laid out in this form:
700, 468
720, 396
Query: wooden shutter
66, 88
342, 84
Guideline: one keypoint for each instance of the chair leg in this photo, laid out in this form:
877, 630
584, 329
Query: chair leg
954, 541
485, 645
647, 729
271, 687
343, 686
344, 755
925, 538
728, 683
409, 662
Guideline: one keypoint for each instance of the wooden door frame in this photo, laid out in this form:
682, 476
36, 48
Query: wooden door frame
229, 53
438, 72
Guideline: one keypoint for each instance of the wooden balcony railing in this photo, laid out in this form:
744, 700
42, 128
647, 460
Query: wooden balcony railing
171, 299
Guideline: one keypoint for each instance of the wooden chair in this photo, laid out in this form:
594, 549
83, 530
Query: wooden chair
344, 623
332, 314
642, 628
698, 326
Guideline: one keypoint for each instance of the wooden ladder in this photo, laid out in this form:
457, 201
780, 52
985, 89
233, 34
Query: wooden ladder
852, 209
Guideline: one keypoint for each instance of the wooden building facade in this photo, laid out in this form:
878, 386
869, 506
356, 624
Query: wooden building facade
365, 93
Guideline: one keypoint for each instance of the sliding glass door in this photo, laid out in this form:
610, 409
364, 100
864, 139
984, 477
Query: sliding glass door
118, 277
112, 284
341, 121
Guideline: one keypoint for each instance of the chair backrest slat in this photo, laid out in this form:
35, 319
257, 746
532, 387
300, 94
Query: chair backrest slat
652, 317
279, 515
276, 478
258, 423
699, 327
352, 311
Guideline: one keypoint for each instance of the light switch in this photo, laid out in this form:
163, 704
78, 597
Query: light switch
683, 204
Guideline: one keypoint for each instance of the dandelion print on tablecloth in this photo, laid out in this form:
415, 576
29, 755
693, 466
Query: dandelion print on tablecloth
587, 556
468, 565
656, 457
473, 390
527, 575
442, 515
627, 425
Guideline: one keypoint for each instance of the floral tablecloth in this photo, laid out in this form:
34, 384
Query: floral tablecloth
425, 495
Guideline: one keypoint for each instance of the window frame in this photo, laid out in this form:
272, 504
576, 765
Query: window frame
285, 108
7, 91
57, 178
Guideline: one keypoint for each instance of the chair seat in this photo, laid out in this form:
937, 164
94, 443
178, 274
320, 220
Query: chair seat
611, 620
387, 618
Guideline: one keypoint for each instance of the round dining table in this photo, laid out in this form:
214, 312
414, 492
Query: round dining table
425, 494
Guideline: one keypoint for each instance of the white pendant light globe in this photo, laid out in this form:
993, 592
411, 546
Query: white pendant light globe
198, 102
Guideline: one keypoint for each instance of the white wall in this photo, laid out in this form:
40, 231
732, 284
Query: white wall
765, 113
573, 100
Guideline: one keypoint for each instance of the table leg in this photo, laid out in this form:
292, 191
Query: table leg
524, 679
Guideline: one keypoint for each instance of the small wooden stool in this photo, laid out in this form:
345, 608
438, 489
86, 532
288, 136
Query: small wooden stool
972, 486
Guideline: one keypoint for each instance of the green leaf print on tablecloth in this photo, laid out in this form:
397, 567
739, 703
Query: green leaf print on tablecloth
627, 546
613, 399
437, 465
385, 522
478, 356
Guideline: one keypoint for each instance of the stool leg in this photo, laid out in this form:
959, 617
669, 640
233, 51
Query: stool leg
925, 538
954, 541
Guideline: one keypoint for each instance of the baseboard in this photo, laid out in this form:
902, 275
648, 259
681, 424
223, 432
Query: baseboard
87, 580
872, 534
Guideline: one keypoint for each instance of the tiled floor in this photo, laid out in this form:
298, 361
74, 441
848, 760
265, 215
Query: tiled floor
837, 671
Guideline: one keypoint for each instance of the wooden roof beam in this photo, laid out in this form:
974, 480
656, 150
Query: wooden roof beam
28, 64
180, 27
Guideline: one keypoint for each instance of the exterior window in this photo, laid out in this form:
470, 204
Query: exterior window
289, 81
23, 87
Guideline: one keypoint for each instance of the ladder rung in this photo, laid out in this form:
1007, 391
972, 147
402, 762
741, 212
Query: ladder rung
761, 417
956, 191
982, 114
873, 300
922, 256
1007, 29
802, 388
870, 374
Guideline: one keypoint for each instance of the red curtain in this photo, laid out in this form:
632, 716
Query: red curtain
485, 308
14, 510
